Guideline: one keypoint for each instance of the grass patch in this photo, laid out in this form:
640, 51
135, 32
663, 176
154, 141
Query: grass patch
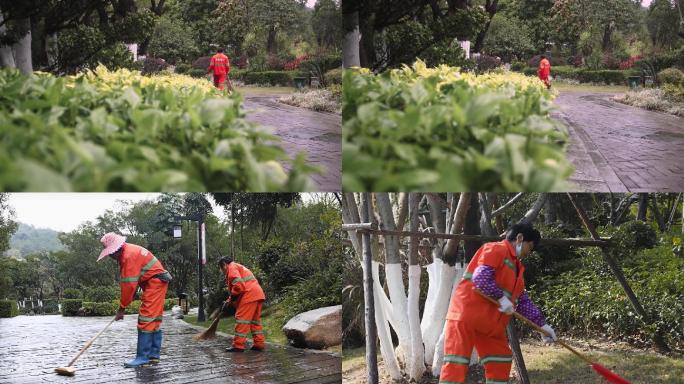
567, 87
554, 364
272, 318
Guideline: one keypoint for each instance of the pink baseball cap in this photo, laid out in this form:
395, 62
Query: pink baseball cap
111, 243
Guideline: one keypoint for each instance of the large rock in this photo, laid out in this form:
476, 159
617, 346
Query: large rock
317, 329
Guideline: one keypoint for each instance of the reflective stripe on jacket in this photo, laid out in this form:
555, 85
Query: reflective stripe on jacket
241, 282
468, 305
136, 266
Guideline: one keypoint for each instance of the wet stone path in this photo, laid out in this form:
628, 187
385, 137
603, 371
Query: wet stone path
31, 347
619, 148
317, 134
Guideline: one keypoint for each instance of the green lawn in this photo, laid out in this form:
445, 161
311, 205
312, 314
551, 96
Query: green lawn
556, 365
564, 87
272, 318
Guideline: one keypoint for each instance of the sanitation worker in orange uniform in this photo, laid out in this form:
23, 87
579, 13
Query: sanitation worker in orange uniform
248, 298
544, 71
474, 322
139, 268
220, 66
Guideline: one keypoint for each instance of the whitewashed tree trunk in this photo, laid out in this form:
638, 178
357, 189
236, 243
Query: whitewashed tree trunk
22, 49
351, 53
6, 53
416, 364
382, 307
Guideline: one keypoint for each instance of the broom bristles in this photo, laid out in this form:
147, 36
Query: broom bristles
608, 375
210, 332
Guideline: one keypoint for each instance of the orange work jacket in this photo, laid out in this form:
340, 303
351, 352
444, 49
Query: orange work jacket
468, 305
136, 266
241, 282
544, 69
220, 64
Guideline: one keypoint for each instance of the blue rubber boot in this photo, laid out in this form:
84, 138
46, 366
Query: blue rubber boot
144, 347
156, 347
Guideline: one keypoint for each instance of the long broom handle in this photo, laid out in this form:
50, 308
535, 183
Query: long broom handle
89, 343
537, 328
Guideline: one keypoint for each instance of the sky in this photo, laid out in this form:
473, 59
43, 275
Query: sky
64, 212
646, 3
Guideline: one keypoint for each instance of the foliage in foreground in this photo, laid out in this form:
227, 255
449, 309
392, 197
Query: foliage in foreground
438, 129
119, 131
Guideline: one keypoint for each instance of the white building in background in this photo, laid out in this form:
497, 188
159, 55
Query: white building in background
134, 50
465, 45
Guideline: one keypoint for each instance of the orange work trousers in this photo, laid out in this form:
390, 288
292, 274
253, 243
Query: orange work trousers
248, 322
152, 306
219, 80
494, 352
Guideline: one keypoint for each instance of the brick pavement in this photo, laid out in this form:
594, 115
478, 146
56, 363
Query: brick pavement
620, 148
32, 346
317, 134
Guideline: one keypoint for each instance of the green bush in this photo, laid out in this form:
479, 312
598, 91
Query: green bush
101, 294
237, 74
8, 308
169, 303
70, 307
616, 77
439, 130
183, 68
334, 76
589, 302
633, 236
671, 76
274, 78
198, 73
100, 309
50, 306
72, 293
132, 308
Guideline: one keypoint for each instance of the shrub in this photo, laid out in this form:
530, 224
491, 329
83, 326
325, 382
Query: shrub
132, 308
162, 132
8, 308
100, 309
486, 63
202, 63
50, 306
333, 76
274, 63
153, 65
671, 76
197, 73
70, 307
323, 63
295, 63
608, 61
602, 76
437, 129
72, 293
518, 66
169, 303
321, 100
182, 68
576, 61
269, 77
100, 294
634, 236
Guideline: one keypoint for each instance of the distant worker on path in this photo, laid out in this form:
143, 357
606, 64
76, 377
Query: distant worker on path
544, 71
139, 267
248, 298
220, 67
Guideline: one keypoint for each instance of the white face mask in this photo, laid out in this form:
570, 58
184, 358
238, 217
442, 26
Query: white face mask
518, 249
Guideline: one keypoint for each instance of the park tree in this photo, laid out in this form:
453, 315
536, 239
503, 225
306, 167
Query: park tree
663, 22
508, 37
326, 22
7, 224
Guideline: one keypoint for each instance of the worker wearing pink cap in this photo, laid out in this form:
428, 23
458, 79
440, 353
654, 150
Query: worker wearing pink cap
139, 267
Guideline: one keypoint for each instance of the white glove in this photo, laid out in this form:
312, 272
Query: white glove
505, 305
550, 331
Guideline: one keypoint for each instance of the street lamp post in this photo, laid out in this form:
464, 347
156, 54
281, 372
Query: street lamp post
200, 256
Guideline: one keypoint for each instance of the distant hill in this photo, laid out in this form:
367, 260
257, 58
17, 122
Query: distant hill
30, 240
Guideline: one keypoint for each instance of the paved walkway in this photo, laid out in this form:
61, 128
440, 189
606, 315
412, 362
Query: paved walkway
32, 346
317, 134
619, 148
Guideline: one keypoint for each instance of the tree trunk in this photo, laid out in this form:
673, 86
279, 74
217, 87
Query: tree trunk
22, 49
350, 47
643, 205
656, 213
369, 308
271, 40
416, 363
6, 53
367, 44
472, 227
451, 248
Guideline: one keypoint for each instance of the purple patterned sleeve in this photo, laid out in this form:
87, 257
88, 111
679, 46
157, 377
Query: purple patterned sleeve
527, 308
483, 279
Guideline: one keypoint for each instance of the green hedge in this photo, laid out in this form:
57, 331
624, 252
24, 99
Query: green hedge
8, 308
70, 307
50, 306
72, 293
100, 309
194, 72
586, 76
101, 294
283, 78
